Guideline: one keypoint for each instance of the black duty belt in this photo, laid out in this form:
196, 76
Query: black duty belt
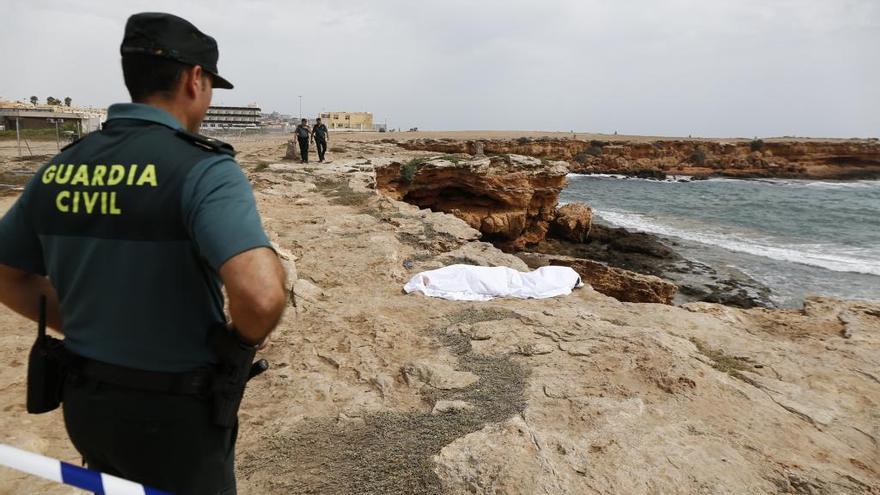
197, 382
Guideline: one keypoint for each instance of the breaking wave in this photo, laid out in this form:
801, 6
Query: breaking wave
828, 256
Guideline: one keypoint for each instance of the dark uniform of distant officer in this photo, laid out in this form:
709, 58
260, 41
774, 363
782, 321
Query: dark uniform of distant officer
130, 233
321, 135
303, 134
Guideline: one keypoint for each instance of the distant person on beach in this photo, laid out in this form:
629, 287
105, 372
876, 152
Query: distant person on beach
321, 135
303, 134
124, 242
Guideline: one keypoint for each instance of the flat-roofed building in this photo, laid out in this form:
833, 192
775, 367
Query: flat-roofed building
348, 120
24, 116
221, 116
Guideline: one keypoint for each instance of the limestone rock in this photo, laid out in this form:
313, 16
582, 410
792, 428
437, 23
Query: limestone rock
481, 254
437, 375
511, 199
303, 289
814, 159
534, 349
451, 407
291, 151
500, 458
288, 262
622, 285
572, 222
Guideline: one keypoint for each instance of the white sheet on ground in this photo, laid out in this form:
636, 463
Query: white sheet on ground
482, 283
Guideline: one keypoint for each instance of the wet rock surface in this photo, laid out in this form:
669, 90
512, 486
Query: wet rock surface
651, 255
572, 222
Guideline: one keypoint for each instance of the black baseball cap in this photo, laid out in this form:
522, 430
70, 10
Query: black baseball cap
174, 38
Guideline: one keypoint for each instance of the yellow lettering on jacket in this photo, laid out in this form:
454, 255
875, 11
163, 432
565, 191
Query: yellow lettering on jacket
49, 173
81, 177
58, 201
113, 209
63, 177
131, 171
148, 176
98, 175
90, 199
78, 199
117, 173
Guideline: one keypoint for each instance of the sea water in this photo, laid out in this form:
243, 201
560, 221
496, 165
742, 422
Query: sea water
798, 237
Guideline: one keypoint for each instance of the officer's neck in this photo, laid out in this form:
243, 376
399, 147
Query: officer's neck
179, 110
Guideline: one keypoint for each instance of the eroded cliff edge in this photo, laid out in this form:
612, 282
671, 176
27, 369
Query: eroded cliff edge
374, 391
512, 200
805, 159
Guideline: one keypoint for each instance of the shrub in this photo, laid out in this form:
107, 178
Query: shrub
583, 156
408, 170
450, 158
756, 145
698, 156
522, 140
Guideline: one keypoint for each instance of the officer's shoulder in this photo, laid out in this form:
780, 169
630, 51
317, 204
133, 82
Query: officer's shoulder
206, 143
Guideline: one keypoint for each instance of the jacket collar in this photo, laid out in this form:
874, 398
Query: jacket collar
140, 111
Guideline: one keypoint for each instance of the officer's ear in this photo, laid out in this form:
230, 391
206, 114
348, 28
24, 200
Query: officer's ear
196, 81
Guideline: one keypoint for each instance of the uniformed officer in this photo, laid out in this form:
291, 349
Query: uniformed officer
321, 135
303, 132
129, 233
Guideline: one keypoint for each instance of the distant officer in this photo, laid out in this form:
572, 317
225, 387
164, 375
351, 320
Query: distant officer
321, 135
303, 134
130, 232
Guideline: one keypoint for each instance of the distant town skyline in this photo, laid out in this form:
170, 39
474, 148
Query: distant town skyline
713, 68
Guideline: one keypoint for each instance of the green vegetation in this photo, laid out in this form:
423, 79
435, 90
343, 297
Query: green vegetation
757, 144
722, 362
449, 158
408, 170
340, 192
523, 140
698, 156
583, 156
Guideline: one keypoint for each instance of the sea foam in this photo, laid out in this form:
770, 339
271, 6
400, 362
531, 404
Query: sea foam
828, 256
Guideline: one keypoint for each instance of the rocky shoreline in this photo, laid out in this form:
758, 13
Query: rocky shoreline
777, 158
648, 254
374, 391
512, 200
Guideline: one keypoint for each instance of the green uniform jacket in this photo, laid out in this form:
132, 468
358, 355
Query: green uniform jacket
131, 224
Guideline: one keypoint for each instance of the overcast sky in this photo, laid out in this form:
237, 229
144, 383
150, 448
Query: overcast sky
672, 67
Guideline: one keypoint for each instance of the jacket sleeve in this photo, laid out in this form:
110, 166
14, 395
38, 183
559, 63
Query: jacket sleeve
220, 211
20, 247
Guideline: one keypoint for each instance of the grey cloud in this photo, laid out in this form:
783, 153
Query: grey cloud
678, 67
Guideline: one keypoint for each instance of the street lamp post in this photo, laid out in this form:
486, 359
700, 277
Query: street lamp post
300, 107
18, 131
